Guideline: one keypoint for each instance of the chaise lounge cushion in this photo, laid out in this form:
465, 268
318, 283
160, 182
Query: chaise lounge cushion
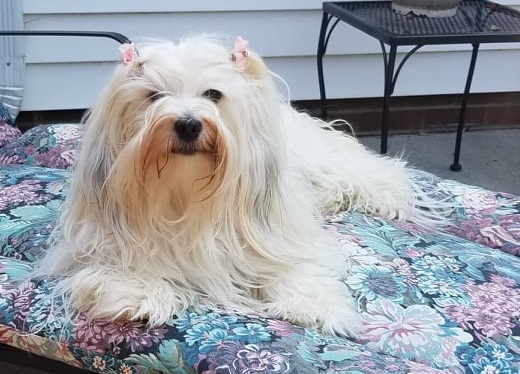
444, 300
52, 146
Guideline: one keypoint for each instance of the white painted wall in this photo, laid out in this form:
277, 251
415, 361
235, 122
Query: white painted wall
67, 73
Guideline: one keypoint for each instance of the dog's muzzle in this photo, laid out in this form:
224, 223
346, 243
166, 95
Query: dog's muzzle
188, 129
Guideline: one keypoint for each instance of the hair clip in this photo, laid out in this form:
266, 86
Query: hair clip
239, 53
128, 53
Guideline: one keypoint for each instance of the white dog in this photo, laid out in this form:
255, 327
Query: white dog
196, 185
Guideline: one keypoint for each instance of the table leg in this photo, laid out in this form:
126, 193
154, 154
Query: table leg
389, 65
462, 114
322, 49
390, 80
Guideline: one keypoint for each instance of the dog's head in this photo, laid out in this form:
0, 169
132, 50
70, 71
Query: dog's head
182, 123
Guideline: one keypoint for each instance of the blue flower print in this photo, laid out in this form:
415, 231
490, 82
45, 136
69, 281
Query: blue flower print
374, 282
208, 337
252, 333
485, 365
488, 358
190, 319
432, 265
442, 286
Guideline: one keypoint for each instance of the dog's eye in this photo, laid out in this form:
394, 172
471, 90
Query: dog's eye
213, 95
155, 95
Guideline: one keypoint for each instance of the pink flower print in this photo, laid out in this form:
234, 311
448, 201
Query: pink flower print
490, 323
20, 299
69, 156
10, 159
99, 335
494, 305
498, 279
415, 333
474, 229
498, 235
413, 253
458, 313
281, 327
495, 297
89, 335
254, 359
52, 158
482, 299
511, 223
135, 335
476, 200
24, 192
8, 133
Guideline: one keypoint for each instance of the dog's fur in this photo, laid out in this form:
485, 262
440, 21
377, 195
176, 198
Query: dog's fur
154, 224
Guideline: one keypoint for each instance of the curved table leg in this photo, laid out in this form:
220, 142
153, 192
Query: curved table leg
322, 49
462, 114
390, 80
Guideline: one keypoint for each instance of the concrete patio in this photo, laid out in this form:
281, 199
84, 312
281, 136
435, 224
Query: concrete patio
490, 159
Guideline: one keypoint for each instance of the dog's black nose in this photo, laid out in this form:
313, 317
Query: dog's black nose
188, 129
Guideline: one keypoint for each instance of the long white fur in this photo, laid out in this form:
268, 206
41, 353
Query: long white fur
146, 232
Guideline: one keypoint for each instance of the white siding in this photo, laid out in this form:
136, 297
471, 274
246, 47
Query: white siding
67, 73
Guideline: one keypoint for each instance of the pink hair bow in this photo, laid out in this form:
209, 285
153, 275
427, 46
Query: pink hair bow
127, 53
239, 54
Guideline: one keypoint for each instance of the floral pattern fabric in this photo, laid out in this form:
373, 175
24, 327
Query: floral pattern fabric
8, 132
51, 146
432, 301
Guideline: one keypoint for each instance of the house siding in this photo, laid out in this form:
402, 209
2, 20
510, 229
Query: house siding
67, 73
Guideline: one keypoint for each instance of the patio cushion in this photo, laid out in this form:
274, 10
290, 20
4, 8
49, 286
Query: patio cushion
436, 301
45, 145
8, 132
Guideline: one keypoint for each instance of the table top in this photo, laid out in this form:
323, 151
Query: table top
476, 21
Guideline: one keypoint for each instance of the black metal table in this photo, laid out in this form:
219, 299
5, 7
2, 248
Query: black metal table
476, 22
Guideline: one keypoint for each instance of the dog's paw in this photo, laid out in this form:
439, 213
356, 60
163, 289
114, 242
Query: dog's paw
128, 299
344, 321
318, 302
126, 309
338, 317
112, 304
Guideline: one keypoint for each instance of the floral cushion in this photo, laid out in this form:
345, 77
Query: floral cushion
52, 146
435, 301
8, 132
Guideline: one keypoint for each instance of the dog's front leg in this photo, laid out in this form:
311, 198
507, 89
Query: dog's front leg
102, 293
310, 296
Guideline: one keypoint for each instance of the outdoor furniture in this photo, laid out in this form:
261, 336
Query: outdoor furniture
434, 300
476, 22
